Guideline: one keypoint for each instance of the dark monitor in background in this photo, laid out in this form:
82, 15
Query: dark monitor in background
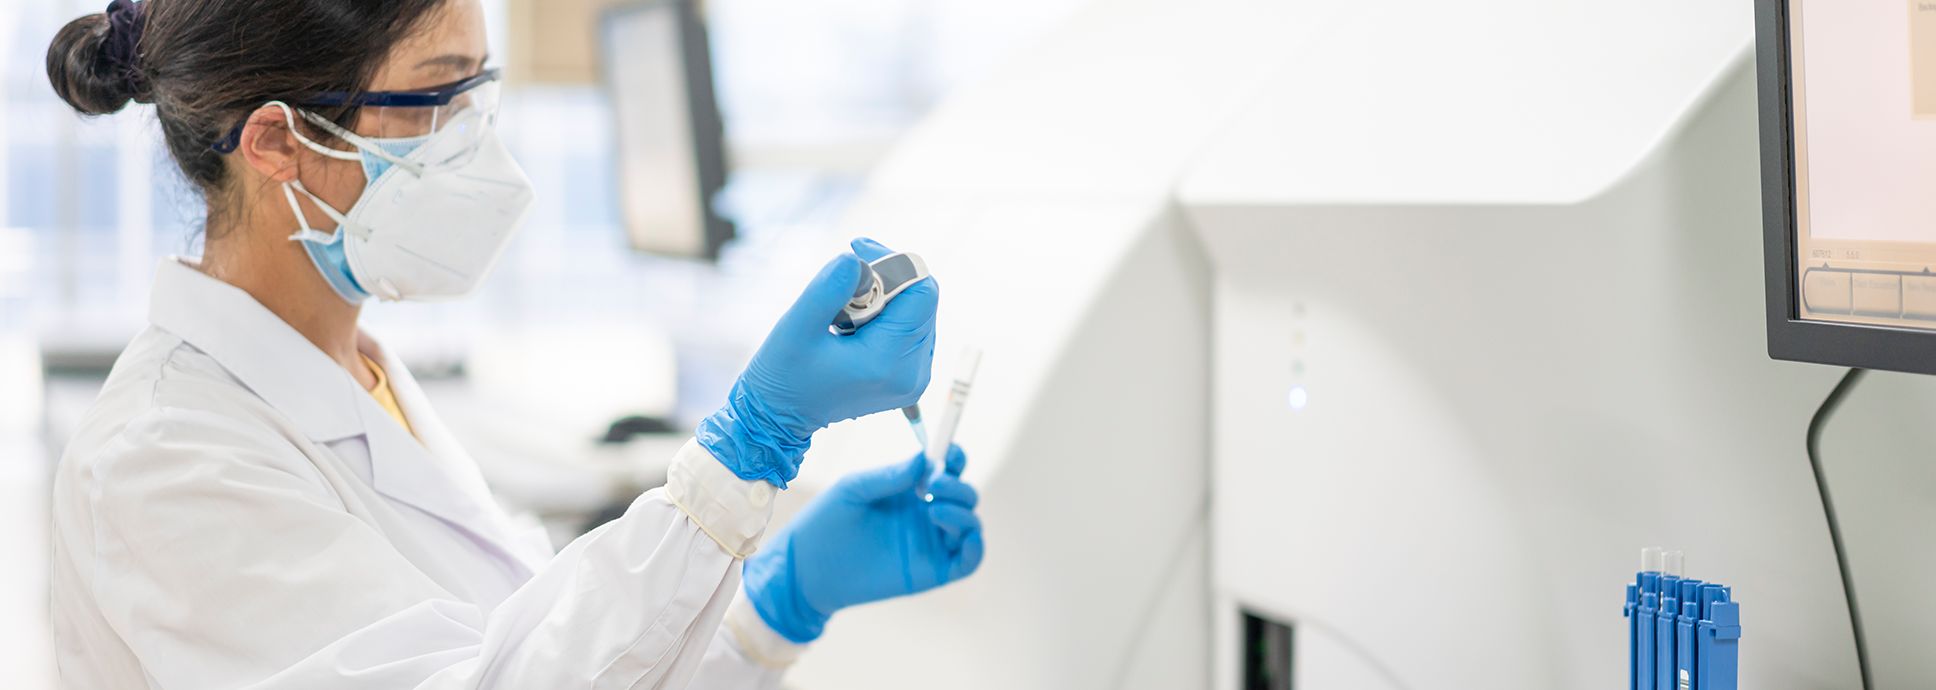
671, 146
1848, 151
1848, 202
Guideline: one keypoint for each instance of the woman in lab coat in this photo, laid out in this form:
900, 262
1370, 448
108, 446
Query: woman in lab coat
262, 496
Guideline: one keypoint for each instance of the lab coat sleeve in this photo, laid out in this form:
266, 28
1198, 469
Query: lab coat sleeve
746, 653
223, 559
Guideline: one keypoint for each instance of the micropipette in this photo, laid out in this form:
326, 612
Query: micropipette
886, 278
913, 415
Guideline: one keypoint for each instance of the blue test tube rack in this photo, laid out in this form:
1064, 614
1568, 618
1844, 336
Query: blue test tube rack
1682, 634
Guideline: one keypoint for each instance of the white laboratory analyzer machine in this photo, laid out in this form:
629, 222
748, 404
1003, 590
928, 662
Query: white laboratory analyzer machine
1351, 345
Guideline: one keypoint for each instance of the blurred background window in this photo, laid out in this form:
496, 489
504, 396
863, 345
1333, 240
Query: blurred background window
813, 93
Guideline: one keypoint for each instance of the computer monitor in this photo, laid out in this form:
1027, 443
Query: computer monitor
1848, 150
671, 147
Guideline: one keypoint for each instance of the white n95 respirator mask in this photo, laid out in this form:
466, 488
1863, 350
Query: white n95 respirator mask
435, 215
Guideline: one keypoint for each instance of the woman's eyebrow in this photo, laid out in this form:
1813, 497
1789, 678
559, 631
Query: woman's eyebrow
459, 63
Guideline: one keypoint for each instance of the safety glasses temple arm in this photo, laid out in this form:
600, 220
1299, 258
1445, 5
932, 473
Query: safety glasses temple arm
434, 97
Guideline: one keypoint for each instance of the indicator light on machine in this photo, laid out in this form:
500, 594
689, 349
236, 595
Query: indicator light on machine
1299, 398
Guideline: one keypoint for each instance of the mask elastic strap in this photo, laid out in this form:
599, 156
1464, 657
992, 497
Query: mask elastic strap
361, 142
296, 187
306, 234
289, 189
289, 115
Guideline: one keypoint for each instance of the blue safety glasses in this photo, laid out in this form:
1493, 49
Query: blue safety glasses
470, 103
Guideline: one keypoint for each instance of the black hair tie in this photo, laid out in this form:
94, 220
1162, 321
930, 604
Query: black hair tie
122, 49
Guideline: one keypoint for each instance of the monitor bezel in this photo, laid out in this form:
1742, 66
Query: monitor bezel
711, 157
1789, 337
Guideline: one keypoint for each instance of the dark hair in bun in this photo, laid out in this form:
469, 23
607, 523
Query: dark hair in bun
94, 61
207, 64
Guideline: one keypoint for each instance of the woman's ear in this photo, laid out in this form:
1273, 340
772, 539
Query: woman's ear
268, 146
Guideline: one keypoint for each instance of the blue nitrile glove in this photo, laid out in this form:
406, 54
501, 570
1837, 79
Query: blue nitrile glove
806, 377
870, 537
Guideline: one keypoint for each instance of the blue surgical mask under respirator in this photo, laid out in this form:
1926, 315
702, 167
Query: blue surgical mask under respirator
329, 257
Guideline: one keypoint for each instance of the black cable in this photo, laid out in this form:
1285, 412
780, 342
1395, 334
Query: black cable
1815, 424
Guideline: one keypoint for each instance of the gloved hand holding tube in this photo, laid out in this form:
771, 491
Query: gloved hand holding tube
868, 538
805, 377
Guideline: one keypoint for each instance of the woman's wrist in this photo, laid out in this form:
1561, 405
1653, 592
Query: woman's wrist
756, 639
770, 584
754, 441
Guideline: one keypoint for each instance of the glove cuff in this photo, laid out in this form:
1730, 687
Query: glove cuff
770, 585
750, 443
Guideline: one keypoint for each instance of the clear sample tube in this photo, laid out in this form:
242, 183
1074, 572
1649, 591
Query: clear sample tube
1673, 563
944, 430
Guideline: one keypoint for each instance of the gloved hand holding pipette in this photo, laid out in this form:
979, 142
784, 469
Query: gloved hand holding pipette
806, 377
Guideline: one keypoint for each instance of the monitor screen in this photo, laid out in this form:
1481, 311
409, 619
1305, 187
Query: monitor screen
1862, 83
671, 147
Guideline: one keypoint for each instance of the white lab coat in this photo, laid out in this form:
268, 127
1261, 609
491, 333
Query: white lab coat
237, 512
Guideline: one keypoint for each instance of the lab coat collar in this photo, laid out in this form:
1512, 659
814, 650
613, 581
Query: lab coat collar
257, 347
429, 470
324, 402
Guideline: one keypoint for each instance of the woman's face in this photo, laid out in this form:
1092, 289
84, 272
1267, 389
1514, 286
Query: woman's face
450, 46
